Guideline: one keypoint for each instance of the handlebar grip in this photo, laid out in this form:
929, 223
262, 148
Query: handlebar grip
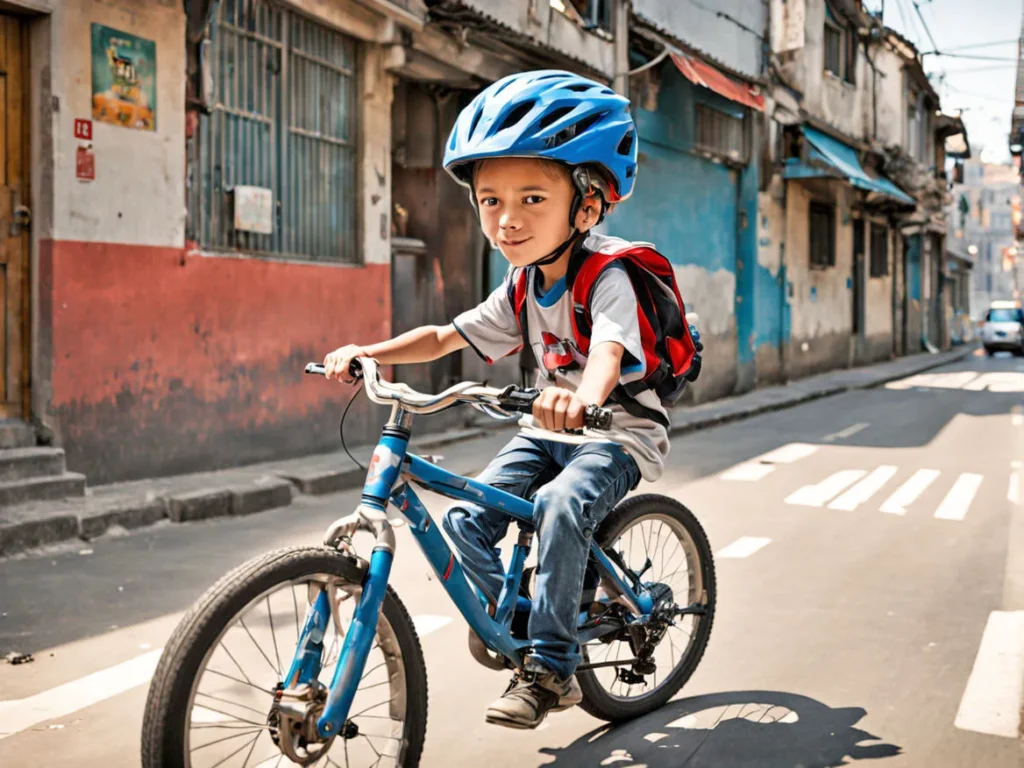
355, 369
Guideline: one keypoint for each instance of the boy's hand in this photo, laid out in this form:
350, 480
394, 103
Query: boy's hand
557, 409
336, 363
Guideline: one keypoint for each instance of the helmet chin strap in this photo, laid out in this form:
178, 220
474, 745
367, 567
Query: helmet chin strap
556, 254
581, 181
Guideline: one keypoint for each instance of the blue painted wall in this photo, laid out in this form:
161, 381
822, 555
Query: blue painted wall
913, 287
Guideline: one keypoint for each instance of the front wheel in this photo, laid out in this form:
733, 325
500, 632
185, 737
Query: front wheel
212, 699
660, 539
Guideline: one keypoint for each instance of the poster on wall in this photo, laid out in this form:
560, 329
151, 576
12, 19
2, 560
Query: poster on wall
123, 79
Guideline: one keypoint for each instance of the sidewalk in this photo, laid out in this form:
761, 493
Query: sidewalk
258, 487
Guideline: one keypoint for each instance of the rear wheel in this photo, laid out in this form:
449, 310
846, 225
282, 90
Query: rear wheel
212, 699
659, 530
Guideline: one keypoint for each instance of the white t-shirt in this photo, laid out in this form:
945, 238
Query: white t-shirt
493, 331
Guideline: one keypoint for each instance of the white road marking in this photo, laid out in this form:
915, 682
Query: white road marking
1017, 416
1013, 491
820, 494
844, 433
788, 453
426, 623
998, 381
18, 715
959, 498
865, 489
992, 699
953, 380
743, 547
907, 493
748, 472
762, 466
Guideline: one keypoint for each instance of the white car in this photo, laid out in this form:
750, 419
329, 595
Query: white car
1004, 328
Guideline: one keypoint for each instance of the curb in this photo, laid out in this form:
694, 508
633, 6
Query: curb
45, 523
699, 421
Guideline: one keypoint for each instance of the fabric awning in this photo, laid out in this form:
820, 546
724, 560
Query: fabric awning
701, 73
832, 158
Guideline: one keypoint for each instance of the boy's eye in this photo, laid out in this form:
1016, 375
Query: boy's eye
488, 201
533, 199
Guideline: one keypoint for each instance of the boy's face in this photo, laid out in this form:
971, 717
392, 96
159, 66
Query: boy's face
524, 206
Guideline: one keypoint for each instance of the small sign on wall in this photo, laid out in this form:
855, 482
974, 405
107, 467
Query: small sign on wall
83, 129
254, 209
85, 164
123, 79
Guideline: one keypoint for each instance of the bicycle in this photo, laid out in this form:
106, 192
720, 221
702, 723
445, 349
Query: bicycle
205, 709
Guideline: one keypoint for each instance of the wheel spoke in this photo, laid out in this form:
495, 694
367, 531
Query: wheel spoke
259, 648
273, 636
248, 744
226, 738
228, 701
240, 682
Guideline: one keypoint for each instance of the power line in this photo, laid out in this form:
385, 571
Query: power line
987, 44
971, 56
924, 23
989, 68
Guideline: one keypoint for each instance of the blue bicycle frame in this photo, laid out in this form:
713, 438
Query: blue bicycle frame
391, 467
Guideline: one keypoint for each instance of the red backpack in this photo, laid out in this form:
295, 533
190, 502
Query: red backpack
672, 358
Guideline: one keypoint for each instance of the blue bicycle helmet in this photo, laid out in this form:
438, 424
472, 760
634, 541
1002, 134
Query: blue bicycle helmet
548, 114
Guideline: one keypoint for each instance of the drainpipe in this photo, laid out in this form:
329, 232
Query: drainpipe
620, 26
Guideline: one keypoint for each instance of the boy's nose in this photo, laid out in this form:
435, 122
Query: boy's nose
508, 222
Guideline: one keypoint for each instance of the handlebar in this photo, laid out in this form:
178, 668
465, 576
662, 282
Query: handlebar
500, 403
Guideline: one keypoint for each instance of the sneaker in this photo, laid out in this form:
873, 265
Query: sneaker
529, 698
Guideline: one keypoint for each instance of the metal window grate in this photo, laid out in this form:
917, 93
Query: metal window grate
285, 118
879, 250
721, 134
822, 235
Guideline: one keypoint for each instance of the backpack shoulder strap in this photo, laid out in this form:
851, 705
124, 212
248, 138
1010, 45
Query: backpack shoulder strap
516, 291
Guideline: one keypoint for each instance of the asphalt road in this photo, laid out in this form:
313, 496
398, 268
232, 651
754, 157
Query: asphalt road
870, 557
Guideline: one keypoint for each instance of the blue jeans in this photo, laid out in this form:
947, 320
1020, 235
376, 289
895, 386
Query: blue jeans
574, 487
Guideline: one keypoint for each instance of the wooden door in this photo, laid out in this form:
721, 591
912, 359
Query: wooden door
14, 219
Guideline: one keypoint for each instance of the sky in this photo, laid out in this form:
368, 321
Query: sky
982, 87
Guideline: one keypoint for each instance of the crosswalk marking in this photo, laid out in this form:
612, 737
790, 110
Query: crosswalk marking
969, 381
748, 472
907, 493
762, 466
865, 489
959, 498
1013, 491
743, 547
992, 698
818, 495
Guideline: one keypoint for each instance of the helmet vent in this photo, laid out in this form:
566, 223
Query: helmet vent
580, 88
626, 145
553, 117
476, 121
575, 129
517, 114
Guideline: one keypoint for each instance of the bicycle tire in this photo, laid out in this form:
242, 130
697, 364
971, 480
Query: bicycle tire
163, 726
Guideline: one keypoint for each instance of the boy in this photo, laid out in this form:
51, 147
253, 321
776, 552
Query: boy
545, 154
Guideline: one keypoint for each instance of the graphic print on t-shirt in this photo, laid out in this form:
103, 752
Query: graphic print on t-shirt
558, 353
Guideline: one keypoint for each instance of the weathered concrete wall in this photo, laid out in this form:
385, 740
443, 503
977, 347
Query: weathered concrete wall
821, 298
715, 32
826, 96
154, 358
773, 317
889, 102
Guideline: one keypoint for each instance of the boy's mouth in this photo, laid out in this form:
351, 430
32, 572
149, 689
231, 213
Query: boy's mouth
514, 243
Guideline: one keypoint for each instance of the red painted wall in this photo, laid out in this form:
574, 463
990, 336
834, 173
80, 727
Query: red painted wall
163, 361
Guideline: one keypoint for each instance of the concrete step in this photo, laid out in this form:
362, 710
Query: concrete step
25, 463
16, 434
41, 489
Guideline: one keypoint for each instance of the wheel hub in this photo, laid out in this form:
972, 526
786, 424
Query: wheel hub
293, 723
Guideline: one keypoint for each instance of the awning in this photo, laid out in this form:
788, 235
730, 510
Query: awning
703, 74
831, 158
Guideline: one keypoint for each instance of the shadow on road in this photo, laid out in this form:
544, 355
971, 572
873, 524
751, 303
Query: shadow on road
767, 729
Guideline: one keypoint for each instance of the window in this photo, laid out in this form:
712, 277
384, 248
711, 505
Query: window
283, 118
823, 235
1004, 316
840, 47
592, 14
879, 250
721, 134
